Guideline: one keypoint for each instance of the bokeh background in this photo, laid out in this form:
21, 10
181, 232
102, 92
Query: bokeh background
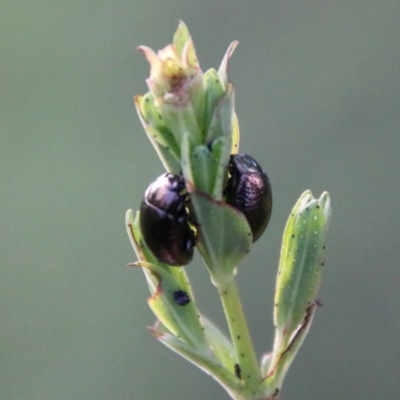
318, 99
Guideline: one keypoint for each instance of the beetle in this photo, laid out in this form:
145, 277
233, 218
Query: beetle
249, 190
164, 220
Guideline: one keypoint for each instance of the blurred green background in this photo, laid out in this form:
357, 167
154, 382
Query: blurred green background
318, 99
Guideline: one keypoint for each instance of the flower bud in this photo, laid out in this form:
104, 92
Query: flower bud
298, 280
302, 259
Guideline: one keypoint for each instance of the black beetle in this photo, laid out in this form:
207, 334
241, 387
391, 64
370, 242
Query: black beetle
164, 221
249, 190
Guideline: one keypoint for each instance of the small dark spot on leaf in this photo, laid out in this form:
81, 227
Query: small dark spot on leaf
238, 371
181, 297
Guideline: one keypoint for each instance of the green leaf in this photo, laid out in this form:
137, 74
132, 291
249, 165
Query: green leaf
207, 363
220, 345
274, 366
180, 40
160, 137
209, 167
183, 321
220, 149
214, 91
224, 237
181, 119
222, 118
203, 166
164, 281
223, 69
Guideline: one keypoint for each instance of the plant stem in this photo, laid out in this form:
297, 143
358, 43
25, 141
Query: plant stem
248, 369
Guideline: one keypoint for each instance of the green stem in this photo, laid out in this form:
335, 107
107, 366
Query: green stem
248, 369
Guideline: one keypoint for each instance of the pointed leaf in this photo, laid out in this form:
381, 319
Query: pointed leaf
213, 91
223, 69
180, 40
203, 361
220, 345
161, 138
